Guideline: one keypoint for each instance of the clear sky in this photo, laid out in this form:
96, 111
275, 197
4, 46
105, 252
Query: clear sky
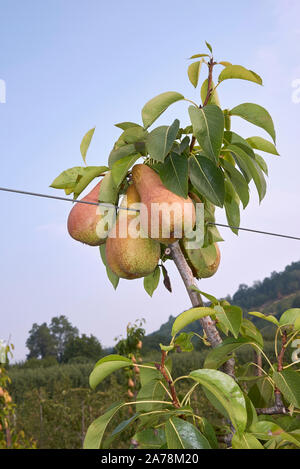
70, 65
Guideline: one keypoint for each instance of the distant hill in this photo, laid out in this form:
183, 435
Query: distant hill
273, 295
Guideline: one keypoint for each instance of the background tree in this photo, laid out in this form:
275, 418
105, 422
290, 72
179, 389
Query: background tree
62, 332
40, 342
82, 348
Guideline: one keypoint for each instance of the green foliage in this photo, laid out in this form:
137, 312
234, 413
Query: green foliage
178, 160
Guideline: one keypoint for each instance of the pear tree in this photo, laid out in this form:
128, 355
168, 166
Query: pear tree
199, 166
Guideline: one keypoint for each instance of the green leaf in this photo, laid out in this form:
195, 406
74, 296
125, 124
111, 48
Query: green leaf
261, 163
127, 125
268, 317
123, 425
85, 143
152, 280
159, 142
184, 144
108, 190
214, 98
121, 167
235, 139
207, 178
118, 430
189, 316
150, 438
212, 236
242, 73
121, 152
251, 167
134, 135
265, 429
90, 173
252, 417
289, 316
245, 441
194, 72
174, 174
106, 366
181, 434
226, 392
208, 431
238, 181
95, 432
288, 382
68, 178
261, 393
225, 63
196, 56
184, 342
262, 144
157, 105
166, 348
291, 437
211, 298
209, 47
208, 128
232, 210
230, 316
149, 393
248, 329
112, 277
257, 115
220, 354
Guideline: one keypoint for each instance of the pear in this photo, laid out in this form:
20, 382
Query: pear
84, 219
164, 215
204, 262
130, 254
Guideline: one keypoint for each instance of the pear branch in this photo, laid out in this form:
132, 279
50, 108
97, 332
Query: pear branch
207, 323
161, 367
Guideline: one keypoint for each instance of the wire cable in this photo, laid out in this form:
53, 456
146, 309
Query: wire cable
55, 197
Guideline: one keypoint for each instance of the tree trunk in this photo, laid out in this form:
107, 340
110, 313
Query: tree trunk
207, 323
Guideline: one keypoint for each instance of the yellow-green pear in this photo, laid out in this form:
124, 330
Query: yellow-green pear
164, 215
129, 253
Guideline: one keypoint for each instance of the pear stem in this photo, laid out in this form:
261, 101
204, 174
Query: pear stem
207, 323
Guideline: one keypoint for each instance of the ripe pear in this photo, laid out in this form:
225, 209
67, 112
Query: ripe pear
83, 220
164, 215
134, 255
204, 262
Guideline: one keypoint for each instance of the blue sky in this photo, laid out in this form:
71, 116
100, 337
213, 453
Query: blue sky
70, 65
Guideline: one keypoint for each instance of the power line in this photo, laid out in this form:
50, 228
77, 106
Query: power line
47, 196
